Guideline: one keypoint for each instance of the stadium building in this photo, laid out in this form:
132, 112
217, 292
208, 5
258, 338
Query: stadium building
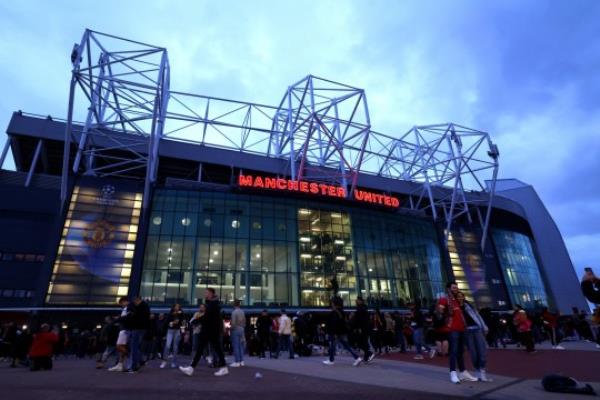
146, 190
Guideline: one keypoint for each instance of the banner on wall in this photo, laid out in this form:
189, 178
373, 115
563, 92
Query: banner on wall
94, 258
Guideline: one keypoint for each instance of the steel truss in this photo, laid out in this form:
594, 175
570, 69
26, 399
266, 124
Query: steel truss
126, 87
322, 128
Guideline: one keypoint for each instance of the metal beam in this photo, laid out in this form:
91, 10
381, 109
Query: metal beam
317, 124
5, 151
36, 156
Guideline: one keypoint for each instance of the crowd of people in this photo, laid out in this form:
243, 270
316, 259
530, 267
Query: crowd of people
128, 341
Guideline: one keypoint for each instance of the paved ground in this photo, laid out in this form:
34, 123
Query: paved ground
397, 378
582, 363
78, 380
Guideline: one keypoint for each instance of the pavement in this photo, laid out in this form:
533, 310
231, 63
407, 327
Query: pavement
396, 377
580, 360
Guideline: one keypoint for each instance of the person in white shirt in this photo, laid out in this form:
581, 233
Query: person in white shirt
238, 329
285, 334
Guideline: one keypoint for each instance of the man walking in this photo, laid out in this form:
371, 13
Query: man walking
108, 336
211, 332
337, 331
238, 328
361, 325
140, 323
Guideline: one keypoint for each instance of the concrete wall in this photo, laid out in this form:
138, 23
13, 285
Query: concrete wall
28, 218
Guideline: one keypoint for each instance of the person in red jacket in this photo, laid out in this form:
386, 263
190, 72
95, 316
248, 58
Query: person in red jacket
456, 325
42, 348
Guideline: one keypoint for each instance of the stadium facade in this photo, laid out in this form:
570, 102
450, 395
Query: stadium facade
164, 193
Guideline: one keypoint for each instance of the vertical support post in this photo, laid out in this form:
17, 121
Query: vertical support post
205, 120
488, 212
431, 199
156, 132
338, 134
152, 155
290, 134
199, 172
67, 147
90, 161
5, 151
93, 111
36, 157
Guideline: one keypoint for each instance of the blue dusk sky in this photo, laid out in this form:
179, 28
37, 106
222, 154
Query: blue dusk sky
528, 72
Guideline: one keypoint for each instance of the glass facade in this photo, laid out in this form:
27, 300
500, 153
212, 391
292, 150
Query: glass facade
472, 272
325, 245
243, 246
94, 259
398, 259
519, 266
278, 251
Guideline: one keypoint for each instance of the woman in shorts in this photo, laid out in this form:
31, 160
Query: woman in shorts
123, 338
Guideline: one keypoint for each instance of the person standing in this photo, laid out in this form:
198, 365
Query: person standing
125, 327
390, 330
455, 321
263, 331
238, 337
285, 334
148, 340
476, 329
161, 331
590, 286
418, 324
400, 340
108, 336
377, 330
596, 325
361, 324
337, 331
42, 348
140, 322
274, 347
551, 324
300, 330
523, 325
196, 323
9, 340
174, 323
440, 329
210, 334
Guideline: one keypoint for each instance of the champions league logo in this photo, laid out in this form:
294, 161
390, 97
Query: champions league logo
107, 199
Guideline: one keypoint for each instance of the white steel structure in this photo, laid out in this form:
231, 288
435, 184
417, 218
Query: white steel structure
320, 127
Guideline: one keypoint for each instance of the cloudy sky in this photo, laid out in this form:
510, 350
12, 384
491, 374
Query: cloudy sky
526, 71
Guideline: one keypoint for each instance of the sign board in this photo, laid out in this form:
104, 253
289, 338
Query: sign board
316, 189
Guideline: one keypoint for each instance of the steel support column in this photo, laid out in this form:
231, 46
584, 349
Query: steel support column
5, 150
67, 147
34, 161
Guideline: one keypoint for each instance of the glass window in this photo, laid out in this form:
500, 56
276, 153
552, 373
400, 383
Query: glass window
232, 245
520, 268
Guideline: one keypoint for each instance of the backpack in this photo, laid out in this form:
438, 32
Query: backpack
564, 384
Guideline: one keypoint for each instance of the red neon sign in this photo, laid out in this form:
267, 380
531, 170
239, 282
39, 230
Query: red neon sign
316, 189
